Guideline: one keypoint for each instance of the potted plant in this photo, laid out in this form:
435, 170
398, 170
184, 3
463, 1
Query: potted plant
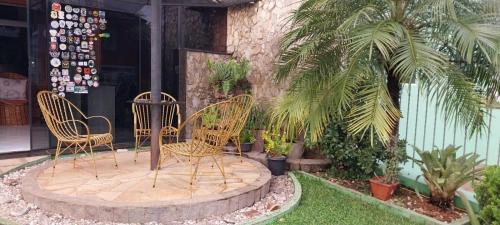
383, 187
444, 172
258, 118
247, 139
226, 77
297, 148
277, 149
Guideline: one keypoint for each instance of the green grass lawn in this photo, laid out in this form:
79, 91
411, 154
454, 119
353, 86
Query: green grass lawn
323, 205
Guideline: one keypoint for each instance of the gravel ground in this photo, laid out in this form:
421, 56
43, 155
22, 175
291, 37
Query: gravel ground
13, 208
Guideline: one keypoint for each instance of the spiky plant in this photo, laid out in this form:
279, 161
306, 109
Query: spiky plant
349, 59
444, 172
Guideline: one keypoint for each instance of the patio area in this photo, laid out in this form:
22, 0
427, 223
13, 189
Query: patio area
125, 194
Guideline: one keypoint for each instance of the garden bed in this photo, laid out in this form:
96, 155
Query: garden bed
404, 198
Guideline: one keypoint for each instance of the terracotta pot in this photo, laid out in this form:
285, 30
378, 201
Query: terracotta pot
296, 151
258, 145
382, 190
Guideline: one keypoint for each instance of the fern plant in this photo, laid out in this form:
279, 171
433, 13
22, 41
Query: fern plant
225, 76
444, 172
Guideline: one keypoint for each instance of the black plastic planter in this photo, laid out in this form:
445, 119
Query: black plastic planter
246, 147
277, 165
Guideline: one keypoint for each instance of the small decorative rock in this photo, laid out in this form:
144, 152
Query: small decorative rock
10, 182
229, 221
5, 200
272, 207
19, 211
252, 213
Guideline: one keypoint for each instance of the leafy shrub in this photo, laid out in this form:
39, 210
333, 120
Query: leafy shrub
444, 172
246, 136
275, 144
488, 196
353, 158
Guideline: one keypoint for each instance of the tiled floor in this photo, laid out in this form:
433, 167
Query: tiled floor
8, 164
14, 138
17, 138
132, 182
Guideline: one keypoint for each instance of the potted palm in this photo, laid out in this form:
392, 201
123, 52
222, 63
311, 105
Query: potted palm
228, 77
277, 149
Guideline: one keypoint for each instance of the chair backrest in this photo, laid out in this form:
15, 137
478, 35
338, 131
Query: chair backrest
142, 115
60, 115
245, 101
215, 124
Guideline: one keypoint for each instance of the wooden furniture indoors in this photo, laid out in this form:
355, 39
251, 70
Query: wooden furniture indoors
211, 129
170, 118
14, 112
66, 122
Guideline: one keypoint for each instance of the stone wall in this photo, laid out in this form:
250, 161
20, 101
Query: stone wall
199, 93
254, 32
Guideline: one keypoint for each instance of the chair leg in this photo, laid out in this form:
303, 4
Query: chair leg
136, 147
114, 153
157, 169
74, 155
237, 142
190, 169
220, 166
193, 176
58, 150
93, 159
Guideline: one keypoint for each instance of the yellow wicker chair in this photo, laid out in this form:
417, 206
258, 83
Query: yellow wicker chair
246, 101
142, 121
211, 129
65, 122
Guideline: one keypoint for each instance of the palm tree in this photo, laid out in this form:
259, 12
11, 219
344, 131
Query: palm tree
349, 59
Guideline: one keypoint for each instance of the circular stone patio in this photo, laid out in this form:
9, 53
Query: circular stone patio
125, 194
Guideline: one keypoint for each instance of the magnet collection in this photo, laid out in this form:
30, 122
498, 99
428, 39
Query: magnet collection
73, 31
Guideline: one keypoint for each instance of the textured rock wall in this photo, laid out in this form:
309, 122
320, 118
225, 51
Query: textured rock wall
199, 93
254, 32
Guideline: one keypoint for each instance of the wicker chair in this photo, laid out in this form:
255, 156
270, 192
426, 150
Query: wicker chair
14, 112
142, 121
211, 129
64, 121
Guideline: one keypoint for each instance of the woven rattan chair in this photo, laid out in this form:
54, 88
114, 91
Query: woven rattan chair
65, 122
170, 119
211, 129
246, 101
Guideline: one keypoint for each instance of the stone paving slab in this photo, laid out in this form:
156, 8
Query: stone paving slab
125, 194
9, 164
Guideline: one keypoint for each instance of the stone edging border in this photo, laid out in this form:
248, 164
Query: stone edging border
288, 207
413, 216
79, 208
28, 164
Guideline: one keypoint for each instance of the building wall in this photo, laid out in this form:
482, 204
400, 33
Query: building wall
254, 32
198, 93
